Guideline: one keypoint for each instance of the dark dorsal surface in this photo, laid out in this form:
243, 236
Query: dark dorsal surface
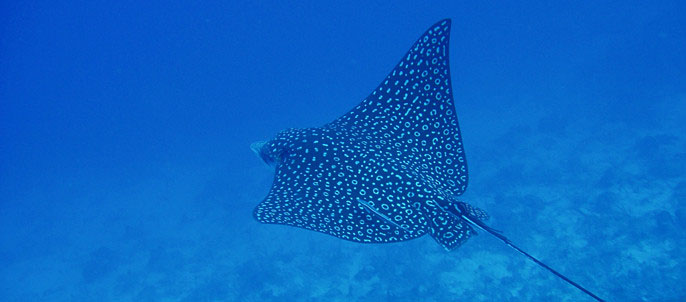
387, 170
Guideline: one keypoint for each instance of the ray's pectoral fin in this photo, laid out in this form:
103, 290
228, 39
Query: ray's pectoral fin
449, 230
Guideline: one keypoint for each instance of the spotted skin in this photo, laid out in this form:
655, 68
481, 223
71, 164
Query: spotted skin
389, 170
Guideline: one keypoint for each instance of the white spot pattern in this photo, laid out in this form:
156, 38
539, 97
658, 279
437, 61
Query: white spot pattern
387, 170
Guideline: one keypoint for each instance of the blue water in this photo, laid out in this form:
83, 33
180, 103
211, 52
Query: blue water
126, 173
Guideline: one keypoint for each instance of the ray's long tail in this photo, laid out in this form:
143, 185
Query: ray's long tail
479, 224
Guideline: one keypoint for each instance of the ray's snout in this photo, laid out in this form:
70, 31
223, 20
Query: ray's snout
260, 148
257, 146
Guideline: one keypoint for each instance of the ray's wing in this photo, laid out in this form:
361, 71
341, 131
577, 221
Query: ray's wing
413, 108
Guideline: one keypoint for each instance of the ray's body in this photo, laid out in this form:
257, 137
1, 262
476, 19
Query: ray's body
389, 170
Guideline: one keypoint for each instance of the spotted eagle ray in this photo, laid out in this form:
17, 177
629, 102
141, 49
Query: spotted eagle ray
389, 170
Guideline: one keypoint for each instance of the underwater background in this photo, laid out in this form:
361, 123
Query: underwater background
126, 172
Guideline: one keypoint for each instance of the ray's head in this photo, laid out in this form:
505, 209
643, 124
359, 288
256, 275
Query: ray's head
269, 151
273, 152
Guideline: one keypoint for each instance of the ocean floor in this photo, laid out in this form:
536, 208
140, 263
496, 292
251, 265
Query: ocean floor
604, 203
